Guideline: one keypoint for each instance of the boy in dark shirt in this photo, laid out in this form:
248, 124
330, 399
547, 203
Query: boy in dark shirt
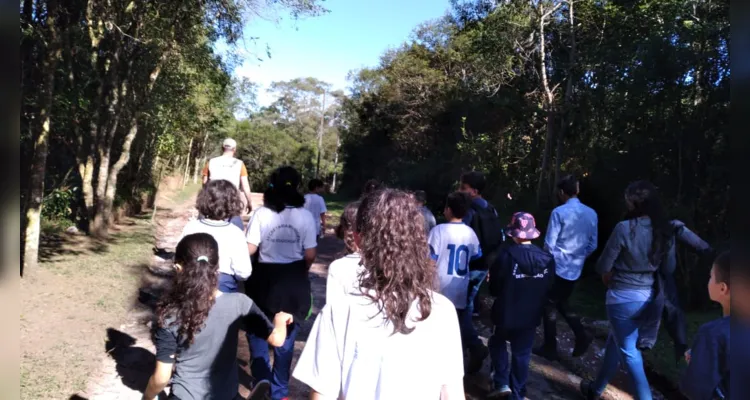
520, 280
707, 375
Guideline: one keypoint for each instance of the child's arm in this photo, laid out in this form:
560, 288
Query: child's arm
278, 334
702, 376
166, 349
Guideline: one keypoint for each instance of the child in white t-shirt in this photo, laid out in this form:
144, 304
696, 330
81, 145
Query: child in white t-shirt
396, 339
217, 203
316, 205
343, 274
452, 246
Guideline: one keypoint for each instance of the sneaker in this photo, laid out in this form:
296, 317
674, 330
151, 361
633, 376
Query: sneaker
261, 391
545, 353
587, 391
582, 345
477, 354
503, 392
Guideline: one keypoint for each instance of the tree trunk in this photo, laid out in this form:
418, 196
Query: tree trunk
549, 99
320, 134
39, 159
335, 164
187, 164
104, 218
568, 107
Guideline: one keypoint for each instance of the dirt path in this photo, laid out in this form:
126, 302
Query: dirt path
125, 373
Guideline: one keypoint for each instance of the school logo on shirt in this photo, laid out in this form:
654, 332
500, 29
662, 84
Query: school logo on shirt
521, 275
284, 233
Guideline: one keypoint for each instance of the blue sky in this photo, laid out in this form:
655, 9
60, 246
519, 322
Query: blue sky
352, 35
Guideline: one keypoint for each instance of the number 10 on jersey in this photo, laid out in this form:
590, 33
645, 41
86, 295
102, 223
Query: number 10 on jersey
456, 262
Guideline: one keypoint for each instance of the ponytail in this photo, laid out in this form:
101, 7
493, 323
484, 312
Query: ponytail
282, 190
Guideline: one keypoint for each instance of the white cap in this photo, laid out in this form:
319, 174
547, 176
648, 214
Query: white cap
229, 143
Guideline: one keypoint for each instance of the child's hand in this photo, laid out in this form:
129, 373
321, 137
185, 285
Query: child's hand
688, 354
282, 319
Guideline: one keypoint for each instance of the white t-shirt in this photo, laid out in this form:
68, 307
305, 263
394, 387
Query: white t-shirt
234, 257
343, 277
227, 168
452, 245
351, 355
316, 205
282, 237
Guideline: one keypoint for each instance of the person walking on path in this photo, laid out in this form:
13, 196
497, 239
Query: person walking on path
395, 338
571, 238
217, 203
343, 273
197, 327
315, 203
282, 232
672, 314
231, 169
629, 264
485, 222
520, 280
453, 245
429, 218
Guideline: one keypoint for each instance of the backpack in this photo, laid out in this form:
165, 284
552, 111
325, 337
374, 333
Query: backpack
490, 231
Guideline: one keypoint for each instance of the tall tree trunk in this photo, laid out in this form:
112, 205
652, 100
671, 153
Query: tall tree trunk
104, 218
549, 98
41, 140
187, 164
568, 106
320, 134
336, 164
200, 159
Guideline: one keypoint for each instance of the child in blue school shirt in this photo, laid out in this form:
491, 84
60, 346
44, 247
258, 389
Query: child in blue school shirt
707, 375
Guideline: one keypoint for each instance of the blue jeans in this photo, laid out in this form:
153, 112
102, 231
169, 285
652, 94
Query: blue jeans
469, 335
625, 321
516, 373
260, 364
476, 278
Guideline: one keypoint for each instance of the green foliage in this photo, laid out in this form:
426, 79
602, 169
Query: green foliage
648, 99
56, 205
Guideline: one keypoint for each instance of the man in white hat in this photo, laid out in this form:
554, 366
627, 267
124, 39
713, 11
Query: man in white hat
229, 168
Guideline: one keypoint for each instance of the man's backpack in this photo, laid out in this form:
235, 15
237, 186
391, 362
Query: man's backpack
489, 230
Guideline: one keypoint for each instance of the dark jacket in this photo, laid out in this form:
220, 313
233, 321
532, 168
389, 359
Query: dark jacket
520, 280
707, 375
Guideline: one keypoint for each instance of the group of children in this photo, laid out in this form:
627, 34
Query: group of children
399, 302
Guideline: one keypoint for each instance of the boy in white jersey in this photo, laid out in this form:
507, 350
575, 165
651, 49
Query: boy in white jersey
452, 246
316, 205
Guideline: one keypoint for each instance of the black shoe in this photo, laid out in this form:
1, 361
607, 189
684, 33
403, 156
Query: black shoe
582, 345
586, 391
477, 354
549, 355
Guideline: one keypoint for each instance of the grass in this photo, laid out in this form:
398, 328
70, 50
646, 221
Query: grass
335, 204
82, 287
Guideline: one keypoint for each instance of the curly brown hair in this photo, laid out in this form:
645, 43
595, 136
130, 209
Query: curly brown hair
345, 229
219, 200
394, 253
192, 294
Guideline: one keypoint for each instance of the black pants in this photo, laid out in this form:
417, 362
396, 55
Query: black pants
558, 304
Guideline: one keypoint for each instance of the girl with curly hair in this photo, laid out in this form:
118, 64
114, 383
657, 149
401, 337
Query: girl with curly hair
197, 327
343, 273
283, 233
217, 202
394, 338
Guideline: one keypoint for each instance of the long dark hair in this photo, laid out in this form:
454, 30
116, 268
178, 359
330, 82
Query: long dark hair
646, 203
395, 256
345, 229
282, 190
192, 295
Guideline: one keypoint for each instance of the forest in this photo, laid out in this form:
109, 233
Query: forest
116, 96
